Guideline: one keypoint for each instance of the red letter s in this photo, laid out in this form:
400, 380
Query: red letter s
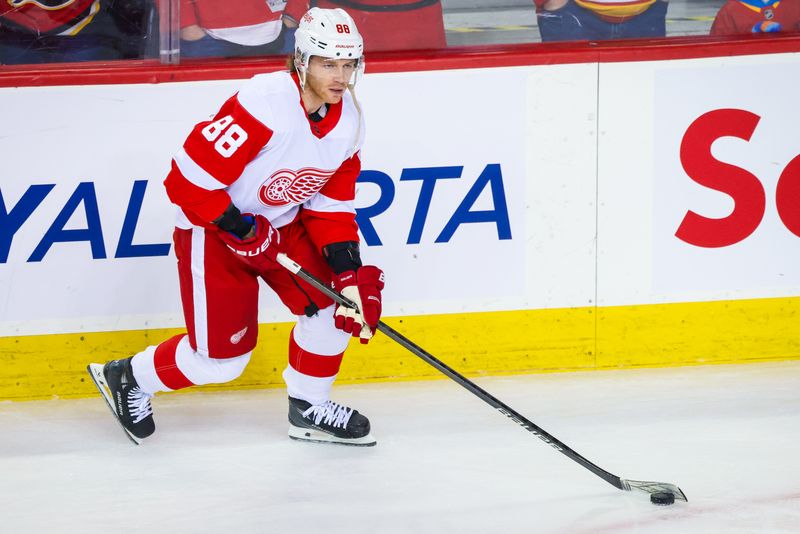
745, 188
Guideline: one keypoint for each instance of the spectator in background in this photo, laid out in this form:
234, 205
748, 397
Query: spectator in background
215, 28
595, 20
757, 16
45, 31
395, 24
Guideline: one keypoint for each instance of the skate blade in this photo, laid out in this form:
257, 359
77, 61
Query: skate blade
317, 436
96, 372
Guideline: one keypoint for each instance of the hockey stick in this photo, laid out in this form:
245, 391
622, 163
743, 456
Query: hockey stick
617, 482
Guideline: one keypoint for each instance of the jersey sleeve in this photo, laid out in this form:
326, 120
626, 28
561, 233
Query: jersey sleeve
330, 216
212, 158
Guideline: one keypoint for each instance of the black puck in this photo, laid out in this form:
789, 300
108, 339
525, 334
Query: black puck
662, 498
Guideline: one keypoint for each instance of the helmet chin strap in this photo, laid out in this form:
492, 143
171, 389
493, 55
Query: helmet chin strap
352, 89
302, 71
301, 77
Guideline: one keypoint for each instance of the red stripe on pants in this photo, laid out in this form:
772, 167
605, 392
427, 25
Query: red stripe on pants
229, 301
312, 364
166, 366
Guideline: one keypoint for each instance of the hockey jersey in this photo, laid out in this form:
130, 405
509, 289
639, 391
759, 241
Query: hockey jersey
48, 17
614, 8
395, 24
757, 16
263, 153
250, 23
610, 10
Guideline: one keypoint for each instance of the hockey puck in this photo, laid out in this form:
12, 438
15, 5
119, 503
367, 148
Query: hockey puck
662, 499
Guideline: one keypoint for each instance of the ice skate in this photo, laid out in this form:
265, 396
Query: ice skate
129, 404
328, 423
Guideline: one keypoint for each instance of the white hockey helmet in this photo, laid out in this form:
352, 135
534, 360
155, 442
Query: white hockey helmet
328, 33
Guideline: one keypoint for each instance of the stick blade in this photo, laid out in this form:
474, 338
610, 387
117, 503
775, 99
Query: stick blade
654, 487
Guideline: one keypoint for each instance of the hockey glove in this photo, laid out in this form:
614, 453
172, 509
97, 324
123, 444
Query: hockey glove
260, 250
363, 287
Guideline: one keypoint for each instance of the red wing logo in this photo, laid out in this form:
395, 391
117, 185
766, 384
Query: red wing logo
287, 187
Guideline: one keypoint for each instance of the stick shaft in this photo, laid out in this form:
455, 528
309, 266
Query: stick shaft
467, 384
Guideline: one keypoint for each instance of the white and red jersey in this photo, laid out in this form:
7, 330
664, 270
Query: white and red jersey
246, 22
263, 153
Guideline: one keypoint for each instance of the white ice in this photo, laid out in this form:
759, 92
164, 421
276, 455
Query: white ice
445, 462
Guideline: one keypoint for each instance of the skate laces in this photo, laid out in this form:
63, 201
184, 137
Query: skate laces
330, 413
139, 404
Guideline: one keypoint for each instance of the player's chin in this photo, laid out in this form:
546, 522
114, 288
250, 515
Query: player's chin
335, 95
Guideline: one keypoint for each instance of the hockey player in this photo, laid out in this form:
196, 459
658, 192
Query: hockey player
274, 171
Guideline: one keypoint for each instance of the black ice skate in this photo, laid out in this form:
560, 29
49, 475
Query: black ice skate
129, 404
328, 423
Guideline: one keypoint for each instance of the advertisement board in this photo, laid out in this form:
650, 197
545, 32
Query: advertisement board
698, 179
540, 217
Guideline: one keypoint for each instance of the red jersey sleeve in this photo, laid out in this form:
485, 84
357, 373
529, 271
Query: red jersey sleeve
330, 216
212, 158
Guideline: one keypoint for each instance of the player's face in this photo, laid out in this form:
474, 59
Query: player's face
328, 78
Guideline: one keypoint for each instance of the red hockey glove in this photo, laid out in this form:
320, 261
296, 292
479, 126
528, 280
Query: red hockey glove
363, 287
258, 251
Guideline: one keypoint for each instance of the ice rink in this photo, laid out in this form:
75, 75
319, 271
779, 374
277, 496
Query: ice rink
445, 461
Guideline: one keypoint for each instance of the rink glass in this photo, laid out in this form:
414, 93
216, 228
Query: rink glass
119, 30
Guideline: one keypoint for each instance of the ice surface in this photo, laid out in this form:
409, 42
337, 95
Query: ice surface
445, 461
